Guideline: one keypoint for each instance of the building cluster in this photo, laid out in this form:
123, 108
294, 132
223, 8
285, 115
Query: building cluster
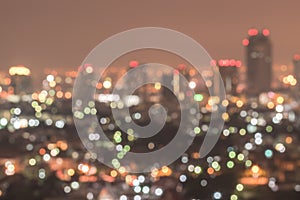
257, 151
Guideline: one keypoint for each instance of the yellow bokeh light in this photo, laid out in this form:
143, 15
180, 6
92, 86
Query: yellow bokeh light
71, 172
255, 169
107, 84
113, 173
19, 70
225, 103
157, 86
239, 103
280, 100
225, 116
270, 105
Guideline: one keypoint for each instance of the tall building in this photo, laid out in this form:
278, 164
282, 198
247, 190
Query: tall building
259, 61
228, 69
21, 80
296, 62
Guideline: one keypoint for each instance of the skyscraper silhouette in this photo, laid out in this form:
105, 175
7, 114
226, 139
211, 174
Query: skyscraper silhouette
228, 69
259, 61
296, 62
21, 79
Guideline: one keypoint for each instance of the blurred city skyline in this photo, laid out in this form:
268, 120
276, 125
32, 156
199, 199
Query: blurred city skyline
65, 133
59, 35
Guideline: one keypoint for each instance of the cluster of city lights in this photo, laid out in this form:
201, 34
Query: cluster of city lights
254, 124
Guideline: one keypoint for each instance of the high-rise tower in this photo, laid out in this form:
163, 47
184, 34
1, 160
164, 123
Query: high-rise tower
296, 62
228, 69
21, 79
259, 61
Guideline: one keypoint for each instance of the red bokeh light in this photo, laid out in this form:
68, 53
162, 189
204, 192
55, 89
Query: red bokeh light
176, 72
297, 57
245, 42
232, 62
133, 64
229, 63
252, 32
181, 67
213, 63
266, 32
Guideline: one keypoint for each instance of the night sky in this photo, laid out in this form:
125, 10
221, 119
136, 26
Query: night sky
59, 34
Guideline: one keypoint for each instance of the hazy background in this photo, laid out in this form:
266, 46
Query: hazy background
59, 34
